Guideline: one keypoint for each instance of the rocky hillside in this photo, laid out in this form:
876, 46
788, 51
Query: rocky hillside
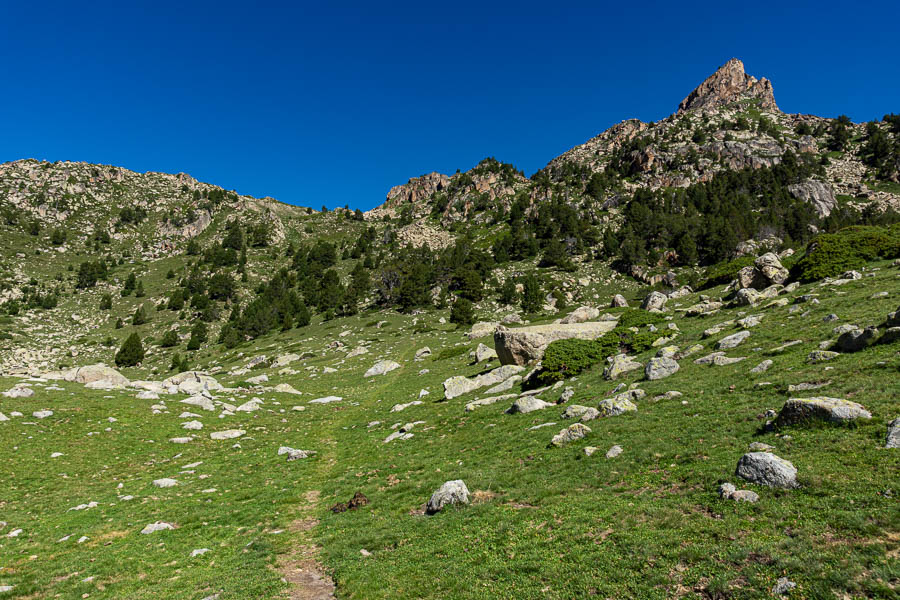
729, 122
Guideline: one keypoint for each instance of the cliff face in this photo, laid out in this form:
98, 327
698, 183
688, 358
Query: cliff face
729, 84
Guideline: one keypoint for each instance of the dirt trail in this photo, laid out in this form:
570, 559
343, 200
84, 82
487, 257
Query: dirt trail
300, 569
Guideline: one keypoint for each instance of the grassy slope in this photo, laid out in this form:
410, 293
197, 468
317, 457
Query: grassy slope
550, 523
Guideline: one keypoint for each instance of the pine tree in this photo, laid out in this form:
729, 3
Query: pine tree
131, 352
199, 336
140, 316
462, 312
531, 295
169, 339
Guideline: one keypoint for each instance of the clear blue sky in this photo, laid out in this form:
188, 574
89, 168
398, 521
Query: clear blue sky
328, 103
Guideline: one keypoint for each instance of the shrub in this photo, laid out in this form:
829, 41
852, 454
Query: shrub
140, 316
199, 335
831, 254
106, 302
635, 317
566, 358
531, 295
725, 272
169, 339
462, 312
131, 352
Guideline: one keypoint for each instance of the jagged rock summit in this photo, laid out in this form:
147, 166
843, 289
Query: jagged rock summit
728, 84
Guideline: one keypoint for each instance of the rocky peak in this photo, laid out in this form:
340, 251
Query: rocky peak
728, 84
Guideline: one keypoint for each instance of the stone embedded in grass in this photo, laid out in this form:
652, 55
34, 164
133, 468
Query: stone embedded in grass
575, 411
487, 401
158, 526
249, 406
767, 469
821, 355
42, 414
805, 387
590, 450
326, 400
382, 367
857, 339
165, 482
783, 587
612, 407
200, 402
483, 353
181, 440
401, 407
619, 365
199, 552
294, 454
893, 434
228, 434
660, 368
728, 492
192, 425
761, 367
258, 380
286, 388
614, 451
573, 432
822, 408
581, 314
527, 404
732, 341
761, 447
19, 391
655, 302
452, 492
422, 353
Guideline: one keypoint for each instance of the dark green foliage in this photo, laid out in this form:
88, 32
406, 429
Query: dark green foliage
221, 287
462, 312
704, 222
106, 302
119, 323
131, 352
170, 274
169, 339
274, 299
555, 255
725, 272
130, 284
839, 134
140, 316
532, 299
176, 300
229, 336
58, 237
507, 293
567, 358
193, 248
89, 273
467, 283
139, 290
199, 336
129, 216
635, 317
830, 254
179, 363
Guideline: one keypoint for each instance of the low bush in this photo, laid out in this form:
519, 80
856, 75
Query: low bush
830, 254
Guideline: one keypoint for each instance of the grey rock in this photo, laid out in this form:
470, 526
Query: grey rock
451, 492
821, 355
614, 451
765, 468
527, 404
660, 368
619, 301
381, 367
573, 432
228, 434
893, 434
856, 340
817, 193
821, 408
732, 341
655, 302
158, 526
619, 365
612, 407
524, 345
581, 314
783, 587
761, 367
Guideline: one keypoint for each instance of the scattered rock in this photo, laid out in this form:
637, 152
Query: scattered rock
765, 468
527, 404
573, 432
614, 451
660, 368
381, 367
451, 492
822, 408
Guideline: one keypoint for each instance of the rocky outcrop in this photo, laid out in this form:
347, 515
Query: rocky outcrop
523, 345
817, 193
729, 84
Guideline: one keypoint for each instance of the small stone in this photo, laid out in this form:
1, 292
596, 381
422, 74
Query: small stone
614, 451
158, 526
451, 492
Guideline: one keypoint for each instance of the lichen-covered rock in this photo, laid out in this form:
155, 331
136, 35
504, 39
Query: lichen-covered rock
747, 297
761, 367
573, 432
817, 193
764, 468
822, 408
619, 365
613, 407
452, 492
661, 367
381, 367
619, 301
727, 491
655, 302
732, 341
482, 329
574, 411
771, 268
581, 314
821, 355
527, 404
459, 384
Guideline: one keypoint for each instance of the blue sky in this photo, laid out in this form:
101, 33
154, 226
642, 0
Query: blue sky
333, 105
